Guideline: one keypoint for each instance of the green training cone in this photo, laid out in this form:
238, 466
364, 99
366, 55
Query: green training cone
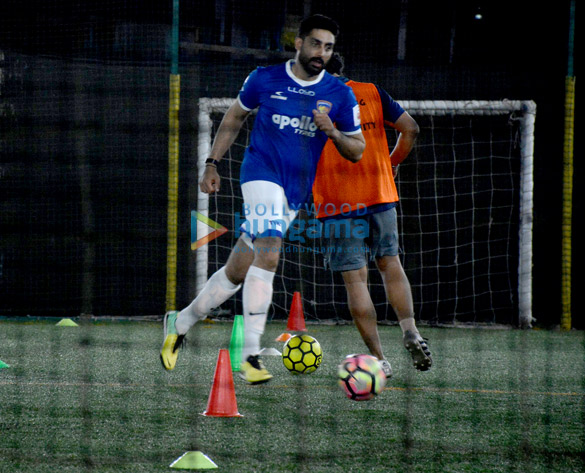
193, 461
237, 342
4, 365
67, 323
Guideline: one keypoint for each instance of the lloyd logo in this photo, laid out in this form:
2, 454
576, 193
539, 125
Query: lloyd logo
204, 230
294, 90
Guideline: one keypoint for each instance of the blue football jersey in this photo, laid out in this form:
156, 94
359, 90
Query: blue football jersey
285, 143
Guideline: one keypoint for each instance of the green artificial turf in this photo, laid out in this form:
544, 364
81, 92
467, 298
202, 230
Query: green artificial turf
95, 398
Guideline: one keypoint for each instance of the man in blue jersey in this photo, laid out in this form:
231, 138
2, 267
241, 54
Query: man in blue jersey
298, 104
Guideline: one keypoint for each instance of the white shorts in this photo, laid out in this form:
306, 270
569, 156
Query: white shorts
266, 210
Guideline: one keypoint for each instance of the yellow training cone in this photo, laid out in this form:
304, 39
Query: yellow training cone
67, 323
193, 461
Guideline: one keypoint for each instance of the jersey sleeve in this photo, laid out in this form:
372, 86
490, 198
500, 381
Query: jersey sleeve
348, 122
392, 109
250, 91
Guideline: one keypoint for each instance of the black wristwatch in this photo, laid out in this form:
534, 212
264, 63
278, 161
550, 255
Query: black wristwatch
211, 162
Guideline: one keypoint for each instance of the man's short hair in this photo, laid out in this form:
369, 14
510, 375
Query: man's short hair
335, 64
320, 22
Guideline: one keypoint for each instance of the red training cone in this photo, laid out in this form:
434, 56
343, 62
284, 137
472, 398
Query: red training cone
296, 317
222, 398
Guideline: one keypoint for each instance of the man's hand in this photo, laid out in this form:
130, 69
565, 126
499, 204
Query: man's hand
324, 123
394, 171
350, 147
209, 183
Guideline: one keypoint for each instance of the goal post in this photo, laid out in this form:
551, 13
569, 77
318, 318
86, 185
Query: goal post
465, 218
525, 112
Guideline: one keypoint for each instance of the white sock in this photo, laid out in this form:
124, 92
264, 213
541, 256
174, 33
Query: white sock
256, 299
408, 324
216, 291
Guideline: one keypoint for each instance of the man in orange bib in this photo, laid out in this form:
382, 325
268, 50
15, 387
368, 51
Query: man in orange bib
357, 205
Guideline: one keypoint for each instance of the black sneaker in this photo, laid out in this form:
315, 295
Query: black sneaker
419, 350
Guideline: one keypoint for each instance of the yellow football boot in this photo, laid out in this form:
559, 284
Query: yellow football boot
172, 342
252, 370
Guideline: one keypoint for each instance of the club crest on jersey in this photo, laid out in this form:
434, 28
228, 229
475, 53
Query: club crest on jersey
323, 106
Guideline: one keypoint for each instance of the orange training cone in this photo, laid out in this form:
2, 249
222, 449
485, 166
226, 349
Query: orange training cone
222, 398
296, 317
283, 337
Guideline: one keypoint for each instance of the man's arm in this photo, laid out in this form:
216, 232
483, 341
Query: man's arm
408, 129
350, 147
226, 135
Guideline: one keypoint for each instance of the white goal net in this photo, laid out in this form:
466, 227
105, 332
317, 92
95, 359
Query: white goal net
465, 219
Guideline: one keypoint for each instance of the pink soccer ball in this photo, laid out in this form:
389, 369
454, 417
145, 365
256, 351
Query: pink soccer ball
361, 377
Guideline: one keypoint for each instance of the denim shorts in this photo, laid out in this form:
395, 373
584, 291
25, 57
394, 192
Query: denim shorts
352, 241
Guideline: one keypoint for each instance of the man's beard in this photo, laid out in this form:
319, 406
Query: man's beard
312, 66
